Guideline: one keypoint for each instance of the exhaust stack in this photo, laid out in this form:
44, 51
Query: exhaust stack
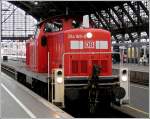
86, 21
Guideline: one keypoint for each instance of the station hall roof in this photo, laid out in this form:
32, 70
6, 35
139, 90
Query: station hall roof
115, 16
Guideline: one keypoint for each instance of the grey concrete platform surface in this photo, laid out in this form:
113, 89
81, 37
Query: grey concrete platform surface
139, 96
19, 102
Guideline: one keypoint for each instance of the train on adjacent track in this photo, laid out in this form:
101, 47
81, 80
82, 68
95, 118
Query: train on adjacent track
78, 61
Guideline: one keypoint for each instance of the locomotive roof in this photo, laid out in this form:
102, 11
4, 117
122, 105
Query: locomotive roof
88, 30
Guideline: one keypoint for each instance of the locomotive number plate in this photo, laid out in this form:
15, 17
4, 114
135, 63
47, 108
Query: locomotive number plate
89, 44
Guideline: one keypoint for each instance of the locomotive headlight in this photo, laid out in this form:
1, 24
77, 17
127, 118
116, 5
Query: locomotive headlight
124, 78
59, 79
89, 35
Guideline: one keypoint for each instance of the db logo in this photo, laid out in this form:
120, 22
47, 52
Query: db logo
89, 44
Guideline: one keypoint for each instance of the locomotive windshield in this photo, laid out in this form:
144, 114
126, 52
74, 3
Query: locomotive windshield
48, 27
52, 27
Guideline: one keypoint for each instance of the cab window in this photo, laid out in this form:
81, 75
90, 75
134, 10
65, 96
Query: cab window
52, 27
48, 27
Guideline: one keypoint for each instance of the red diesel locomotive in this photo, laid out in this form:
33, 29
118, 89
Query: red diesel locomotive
83, 55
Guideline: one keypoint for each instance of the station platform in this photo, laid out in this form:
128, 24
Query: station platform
133, 67
138, 73
139, 94
139, 89
19, 102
